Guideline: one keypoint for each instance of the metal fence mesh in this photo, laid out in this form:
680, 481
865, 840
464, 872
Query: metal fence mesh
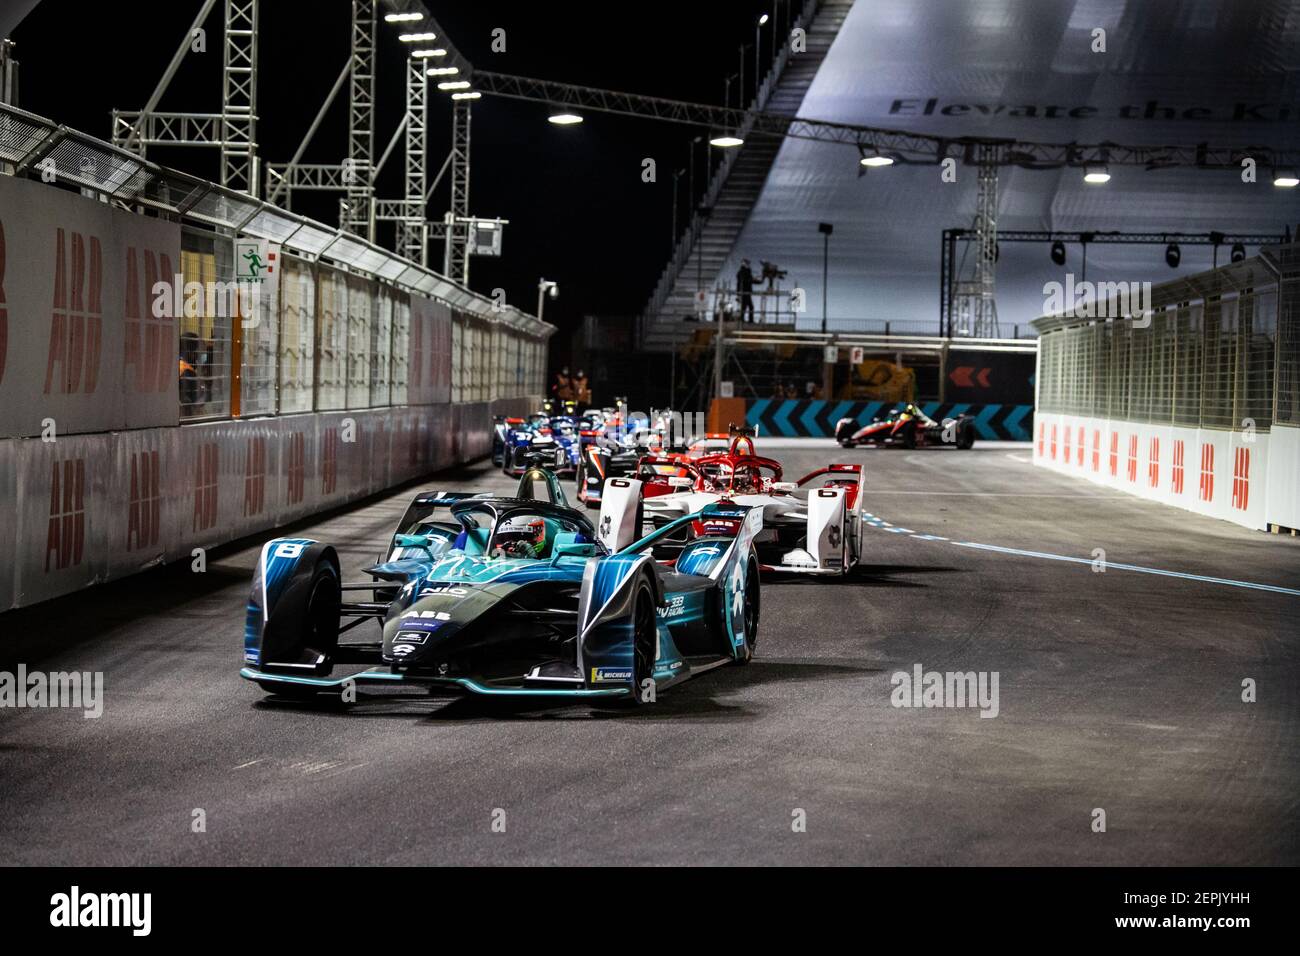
1219, 351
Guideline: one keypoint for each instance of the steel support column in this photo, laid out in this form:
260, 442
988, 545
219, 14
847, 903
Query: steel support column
239, 97
361, 122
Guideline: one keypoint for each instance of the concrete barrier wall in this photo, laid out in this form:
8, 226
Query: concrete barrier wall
89, 508
1246, 478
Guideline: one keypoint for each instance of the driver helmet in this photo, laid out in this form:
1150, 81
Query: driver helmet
523, 536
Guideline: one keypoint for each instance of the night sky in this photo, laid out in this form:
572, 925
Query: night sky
579, 212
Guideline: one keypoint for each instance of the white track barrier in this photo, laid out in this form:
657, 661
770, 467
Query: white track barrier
1249, 479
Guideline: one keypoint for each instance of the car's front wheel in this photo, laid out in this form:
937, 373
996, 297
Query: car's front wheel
645, 643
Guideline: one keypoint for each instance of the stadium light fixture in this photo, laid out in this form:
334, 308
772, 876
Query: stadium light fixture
762, 21
1095, 174
402, 17
467, 96
426, 54
874, 158
726, 142
564, 119
1286, 178
417, 37
1238, 253
454, 85
442, 71
1058, 252
1173, 255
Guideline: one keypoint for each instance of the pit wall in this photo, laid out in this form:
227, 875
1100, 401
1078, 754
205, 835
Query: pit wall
1248, 479
90, 508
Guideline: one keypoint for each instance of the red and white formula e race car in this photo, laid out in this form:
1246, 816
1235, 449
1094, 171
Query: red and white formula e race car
810, 526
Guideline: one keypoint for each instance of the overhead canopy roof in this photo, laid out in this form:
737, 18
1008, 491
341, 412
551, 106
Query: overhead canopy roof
1174, 72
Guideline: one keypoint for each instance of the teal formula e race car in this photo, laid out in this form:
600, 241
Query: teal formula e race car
511, 597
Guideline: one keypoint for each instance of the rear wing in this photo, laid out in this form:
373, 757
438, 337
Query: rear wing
846, 473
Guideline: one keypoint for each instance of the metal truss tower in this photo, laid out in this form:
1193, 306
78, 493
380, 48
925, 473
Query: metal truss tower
457, 265
976, 306
239, 97
233, 131
411, 227
361, 122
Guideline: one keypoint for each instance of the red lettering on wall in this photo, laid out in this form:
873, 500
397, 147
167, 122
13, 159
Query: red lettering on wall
143, 523
1096, 449
255, 476
1153, 463
147, 346
76, 322
66, 538
297, 467
1114, 454
1241, 479
206, 485
329, 466
1132, 457
1178, 467
1207, 472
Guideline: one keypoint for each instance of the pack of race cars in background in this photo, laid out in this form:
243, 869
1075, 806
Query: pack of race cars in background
524, 595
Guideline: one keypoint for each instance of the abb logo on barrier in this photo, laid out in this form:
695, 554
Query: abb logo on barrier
1241, 478
206, 460
1065, 458
1096, 449
1114, 454
77, 320
1207, 472
1080, 443
65, 540
148, 338
1042, 429
1053, 443
1132, 457
1178, 467
142, 523
417, 351
255, 477
329, 465
1153, 463
297, 468
4, 312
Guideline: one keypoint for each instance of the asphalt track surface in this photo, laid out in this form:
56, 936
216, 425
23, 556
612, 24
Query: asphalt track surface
1118, 690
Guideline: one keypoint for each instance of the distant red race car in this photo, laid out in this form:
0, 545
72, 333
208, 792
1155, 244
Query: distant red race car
909, 427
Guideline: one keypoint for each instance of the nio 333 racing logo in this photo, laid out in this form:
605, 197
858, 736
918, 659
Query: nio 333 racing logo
676, 605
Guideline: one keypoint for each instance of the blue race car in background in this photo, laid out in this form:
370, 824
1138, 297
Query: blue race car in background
522, 437
519, 597
557, 436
